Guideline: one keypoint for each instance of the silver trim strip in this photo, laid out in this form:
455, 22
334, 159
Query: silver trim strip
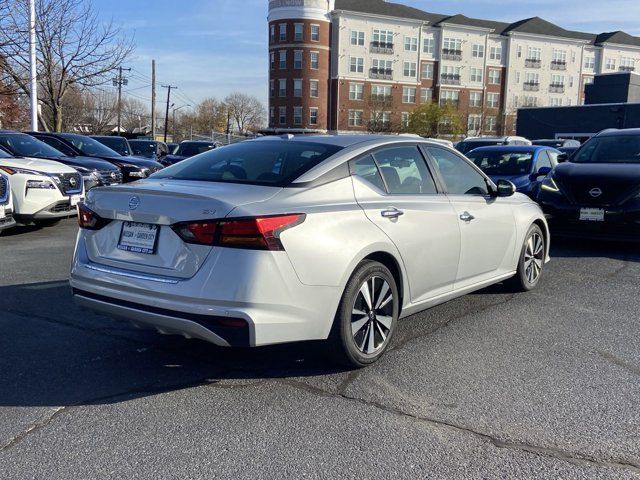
130, 275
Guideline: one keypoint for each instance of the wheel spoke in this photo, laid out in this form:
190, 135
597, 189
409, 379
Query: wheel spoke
371, 344
364, 338
366, 294
358, 324
538, 246
383, 291
385, 320
384, 337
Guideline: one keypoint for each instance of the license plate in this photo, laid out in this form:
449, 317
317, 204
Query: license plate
592, 214
75, 200
138, 238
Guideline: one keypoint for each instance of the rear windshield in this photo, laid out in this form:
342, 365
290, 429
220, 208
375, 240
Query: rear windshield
464, 147
191, 149
27, 146
143, 148
273, 163
502, 162
89, 146
610, 149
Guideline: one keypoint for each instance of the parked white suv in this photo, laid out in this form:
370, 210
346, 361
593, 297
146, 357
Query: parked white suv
43, 191
6, 204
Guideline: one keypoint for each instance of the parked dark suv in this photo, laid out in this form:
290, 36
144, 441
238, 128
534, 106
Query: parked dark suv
117, 144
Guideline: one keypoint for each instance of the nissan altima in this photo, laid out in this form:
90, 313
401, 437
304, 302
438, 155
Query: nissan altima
289, 239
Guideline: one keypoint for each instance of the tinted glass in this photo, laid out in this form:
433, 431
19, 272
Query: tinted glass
367, 169
89, 146
117, 144
544, 160
143, 148
502, 162
610, 149
190, 149
460, 177
58, 145
27, 146
4, 154
464, 147
275, 163
404, 170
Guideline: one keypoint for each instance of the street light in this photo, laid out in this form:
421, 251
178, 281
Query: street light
174, 119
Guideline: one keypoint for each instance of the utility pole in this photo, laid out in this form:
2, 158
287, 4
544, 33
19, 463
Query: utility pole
166, 117
153, 99
119, 81
33, 66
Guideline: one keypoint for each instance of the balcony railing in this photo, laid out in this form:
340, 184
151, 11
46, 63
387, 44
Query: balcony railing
556, 88
558, 65
451, 54
531, 86
450, 79
381, 47
532, 63
381, 73
624, 68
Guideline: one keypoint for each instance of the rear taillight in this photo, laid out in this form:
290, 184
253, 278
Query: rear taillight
90, 220
260, 233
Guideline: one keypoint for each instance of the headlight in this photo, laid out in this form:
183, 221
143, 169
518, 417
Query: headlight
43, 184
21, 171
143, 173
549, 184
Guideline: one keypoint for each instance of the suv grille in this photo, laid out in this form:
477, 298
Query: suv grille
111, 177
69, 182
4, 189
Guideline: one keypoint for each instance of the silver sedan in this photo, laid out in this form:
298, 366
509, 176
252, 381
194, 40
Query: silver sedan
289, 239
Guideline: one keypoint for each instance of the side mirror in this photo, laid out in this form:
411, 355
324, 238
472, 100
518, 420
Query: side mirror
543, 172
563, 157
505, 188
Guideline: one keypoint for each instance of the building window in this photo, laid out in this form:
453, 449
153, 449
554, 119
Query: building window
283, 32
315, 33
272, 88
491, 124
450, 75
477, 51
411, 44
449, 97
313, 88
297, 59
495, 53
559, 56
297, 115
555, 102
517, 77
557, 80
533, 53
427, 71
410, 69
590, 62
272, 60
356, 65
297, 88
381, 119
298, 32
283, 59
272, 33
474, 124
493, 100
313, 116
627, 64
475, 75
272, 114
383, 37
381, 92
404, 119
426, 95
494, 77
475, 99
357, 38
611, 64
314, 61
382, 68
452, 45
356, 91
428, 45
355, 118
408, 95
282, 87
519, 51
529, 101
282, 113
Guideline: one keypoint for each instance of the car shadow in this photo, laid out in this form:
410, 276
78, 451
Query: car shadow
569, 247
56, 354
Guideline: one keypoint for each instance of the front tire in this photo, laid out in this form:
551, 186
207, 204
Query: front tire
531, 262
367, 316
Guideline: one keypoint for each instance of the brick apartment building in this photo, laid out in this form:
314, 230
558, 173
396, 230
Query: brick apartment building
353, 65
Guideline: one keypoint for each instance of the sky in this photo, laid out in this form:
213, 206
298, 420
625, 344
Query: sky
210, 48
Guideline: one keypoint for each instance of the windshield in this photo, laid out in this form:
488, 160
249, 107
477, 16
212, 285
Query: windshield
610, 149
191, 149
464, 147
117, 144
143, 148
27, 146
272, 163
502, 162
4, 154
89, 146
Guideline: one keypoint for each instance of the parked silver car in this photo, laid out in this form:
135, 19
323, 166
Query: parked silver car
288, 238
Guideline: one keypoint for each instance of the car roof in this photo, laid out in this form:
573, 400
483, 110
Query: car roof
345, 141
611, 132
512, 148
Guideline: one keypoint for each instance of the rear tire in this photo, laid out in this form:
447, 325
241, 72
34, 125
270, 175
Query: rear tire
531, 261
367, 316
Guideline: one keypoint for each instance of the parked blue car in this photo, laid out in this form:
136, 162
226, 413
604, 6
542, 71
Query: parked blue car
525, 166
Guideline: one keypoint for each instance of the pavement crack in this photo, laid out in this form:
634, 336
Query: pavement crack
610, 357
32, 429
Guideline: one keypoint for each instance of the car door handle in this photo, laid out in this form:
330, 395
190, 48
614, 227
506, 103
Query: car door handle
467, 217
391, 213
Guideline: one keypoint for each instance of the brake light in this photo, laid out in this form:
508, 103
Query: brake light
90, 220
202, 233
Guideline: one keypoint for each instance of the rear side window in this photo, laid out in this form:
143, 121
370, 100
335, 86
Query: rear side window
272, 163
367, 169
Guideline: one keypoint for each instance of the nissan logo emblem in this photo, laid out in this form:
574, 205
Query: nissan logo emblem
73, 182
113, 175
133, 203
595, 192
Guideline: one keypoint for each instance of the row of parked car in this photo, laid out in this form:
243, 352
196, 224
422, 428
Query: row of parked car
44, 175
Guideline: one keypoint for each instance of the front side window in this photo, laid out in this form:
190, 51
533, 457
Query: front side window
89, 146
543, 160
502, 162
459, 177
404, 171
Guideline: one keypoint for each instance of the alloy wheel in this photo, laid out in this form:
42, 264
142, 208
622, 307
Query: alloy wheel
534, 258
372, 315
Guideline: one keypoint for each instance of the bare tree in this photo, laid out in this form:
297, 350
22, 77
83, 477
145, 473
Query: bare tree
245, 111
75, 49
102, 114
135, 114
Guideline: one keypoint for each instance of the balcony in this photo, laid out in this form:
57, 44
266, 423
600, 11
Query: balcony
558, 65
556, 88
450, 79
624, 68
532, 63
381, 73
531, 86
381, 47
450, 54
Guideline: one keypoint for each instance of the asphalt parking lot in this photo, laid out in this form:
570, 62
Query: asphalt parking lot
493, 385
